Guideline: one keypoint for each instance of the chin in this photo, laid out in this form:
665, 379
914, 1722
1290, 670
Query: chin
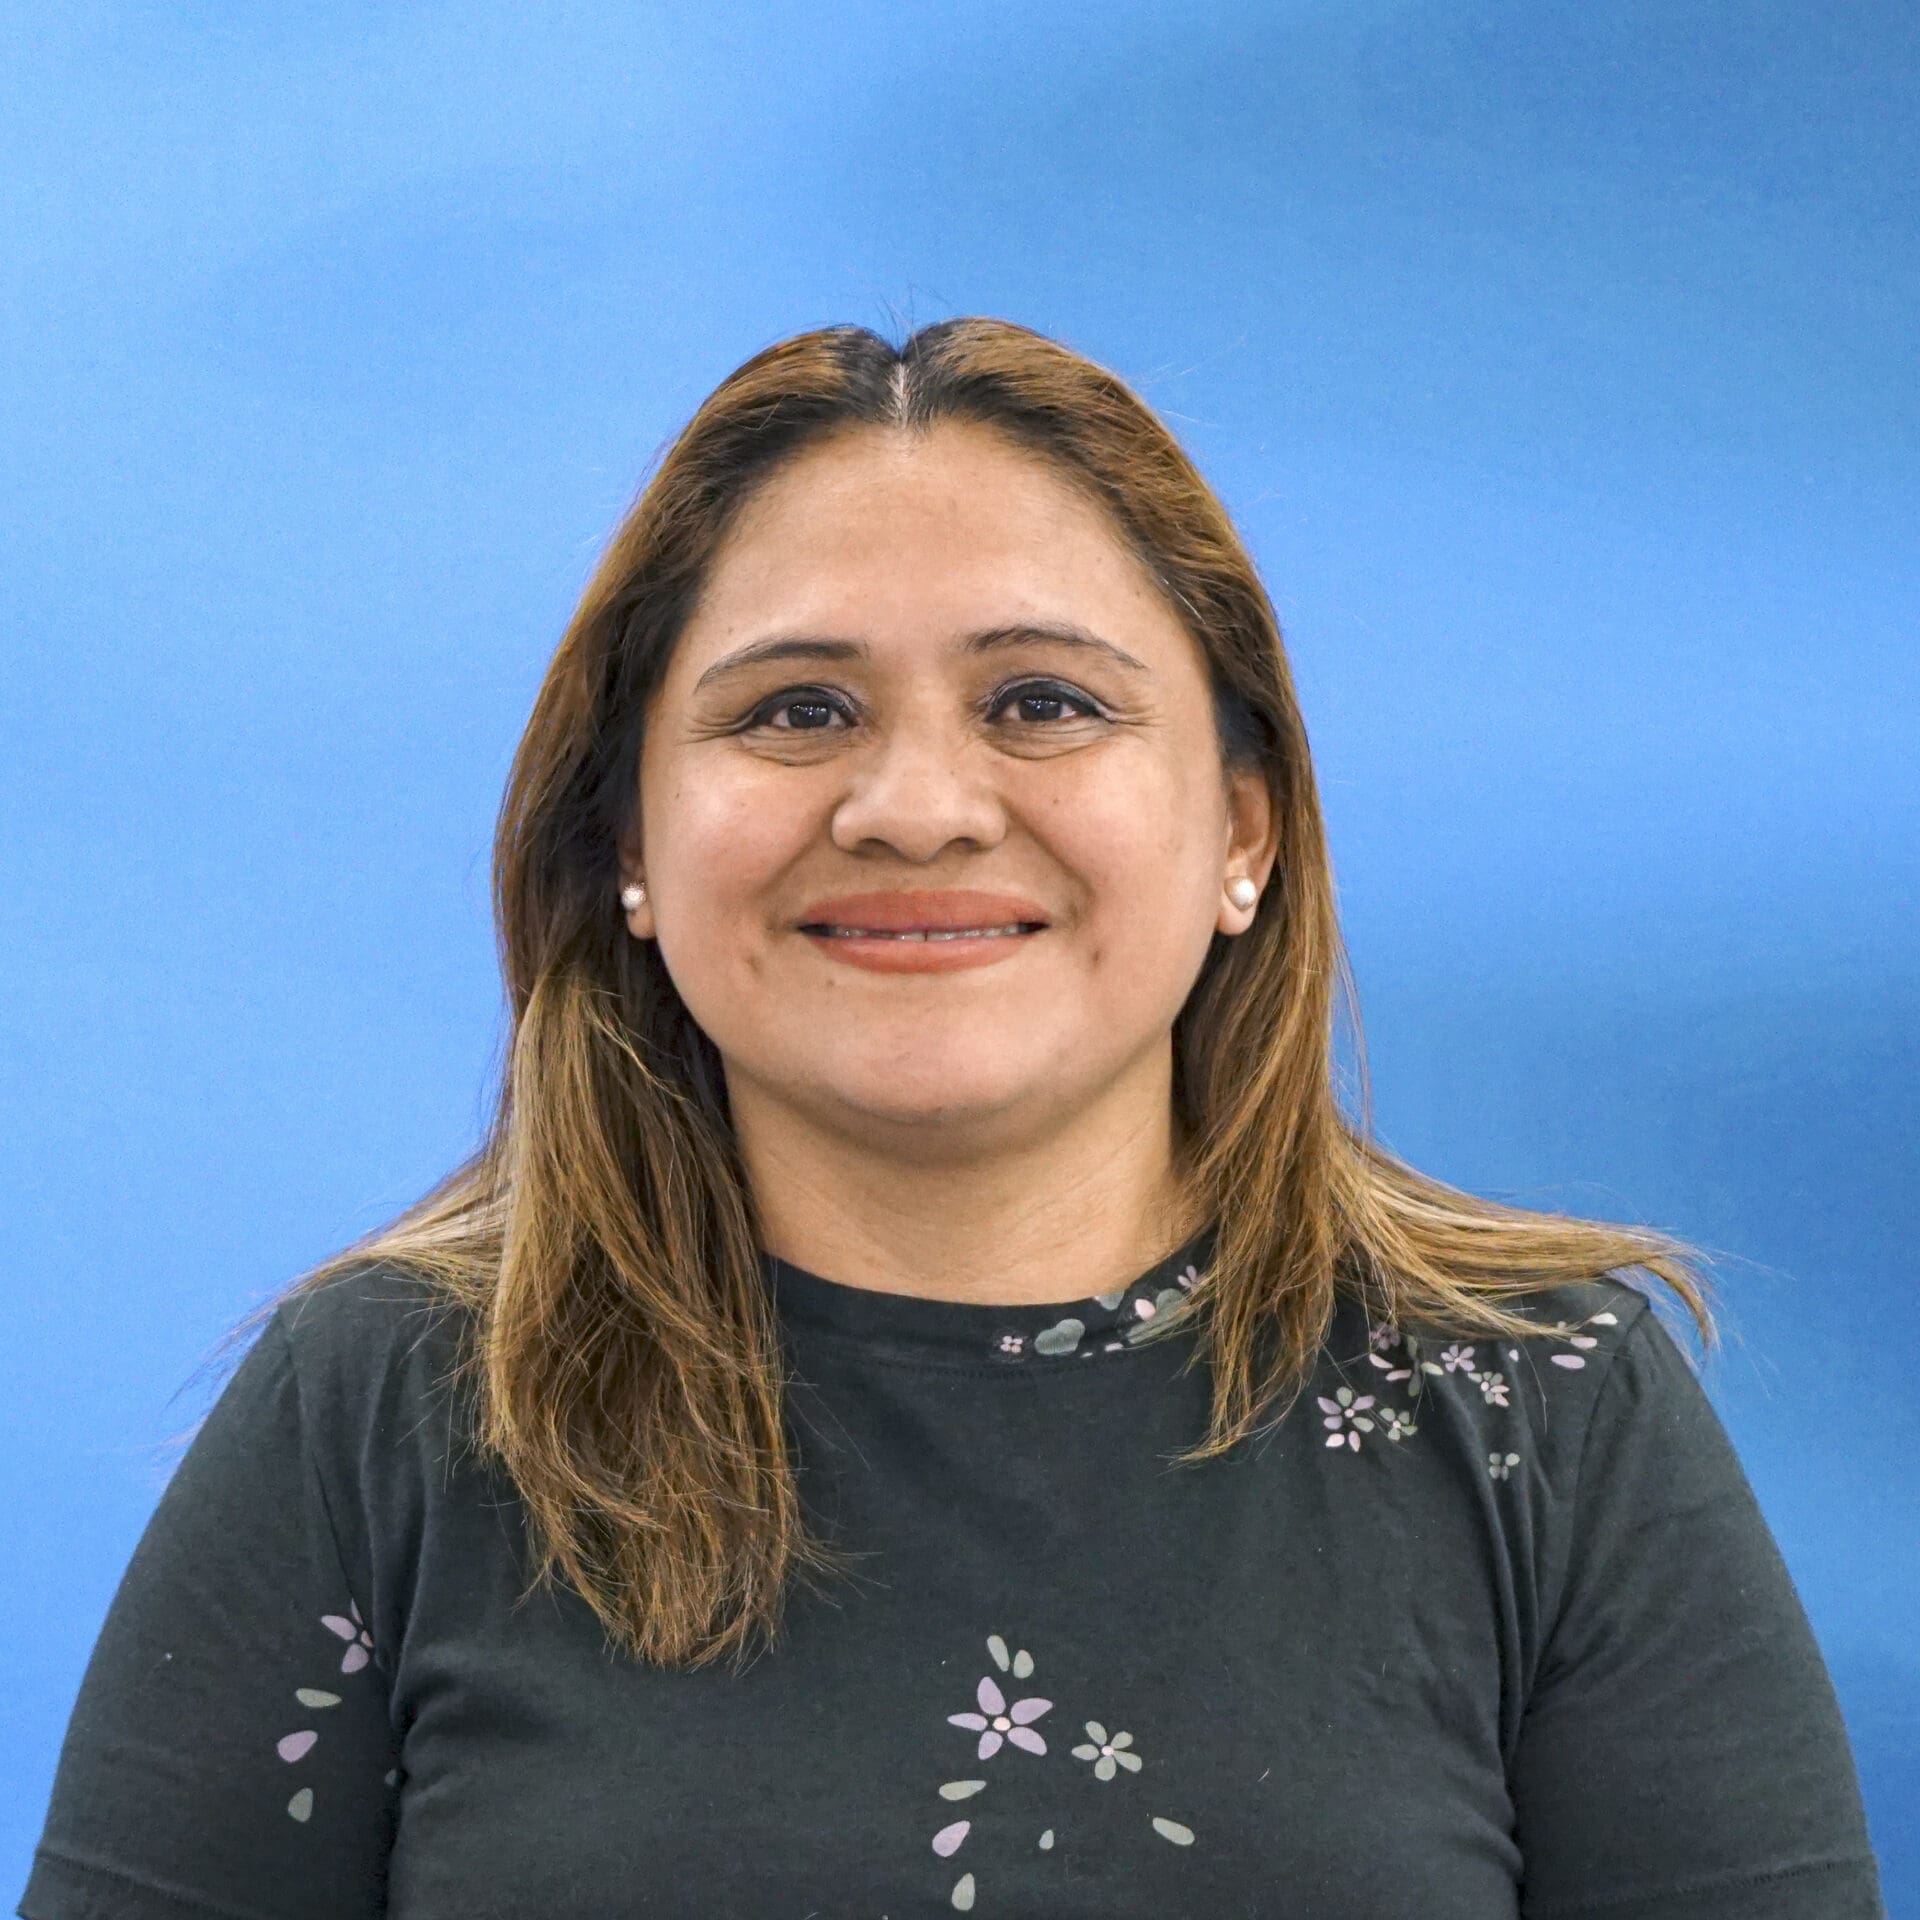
958, 1100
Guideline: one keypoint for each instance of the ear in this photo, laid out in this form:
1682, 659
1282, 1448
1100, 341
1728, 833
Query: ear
1252, 842
631, 867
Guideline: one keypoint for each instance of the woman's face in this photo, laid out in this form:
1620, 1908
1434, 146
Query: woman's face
867, 702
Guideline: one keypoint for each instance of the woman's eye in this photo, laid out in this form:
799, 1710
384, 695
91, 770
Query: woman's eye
816, 708
1041, 701
811, 710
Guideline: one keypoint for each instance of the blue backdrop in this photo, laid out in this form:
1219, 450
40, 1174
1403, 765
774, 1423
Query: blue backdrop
1555, 357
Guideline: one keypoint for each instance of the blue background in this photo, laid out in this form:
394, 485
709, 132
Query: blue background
1556, 360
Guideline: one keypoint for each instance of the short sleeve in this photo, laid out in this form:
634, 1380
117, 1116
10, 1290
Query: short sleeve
1682, 1752
229, 1752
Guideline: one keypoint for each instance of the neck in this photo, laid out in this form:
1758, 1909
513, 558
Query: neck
1084, 1207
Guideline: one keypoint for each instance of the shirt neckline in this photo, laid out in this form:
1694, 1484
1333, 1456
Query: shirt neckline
1046, 1334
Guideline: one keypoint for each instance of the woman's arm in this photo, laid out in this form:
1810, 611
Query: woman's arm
1683, 1755
229, 1752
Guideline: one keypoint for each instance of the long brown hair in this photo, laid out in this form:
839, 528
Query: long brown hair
618, 1338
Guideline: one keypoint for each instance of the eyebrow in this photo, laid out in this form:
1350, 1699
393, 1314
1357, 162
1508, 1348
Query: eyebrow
801, 646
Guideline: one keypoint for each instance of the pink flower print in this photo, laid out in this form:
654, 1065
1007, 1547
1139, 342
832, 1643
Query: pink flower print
1010, 1346
996, 1722
1346, 1416
1392, 1372
360, 1648
1108, 1756
1384, 1337
1187, 1278
1561, 1331
1500, 1464
1456, 1358
1493, 1387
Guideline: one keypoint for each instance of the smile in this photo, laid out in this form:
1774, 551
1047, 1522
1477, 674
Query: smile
924, 933
922, 949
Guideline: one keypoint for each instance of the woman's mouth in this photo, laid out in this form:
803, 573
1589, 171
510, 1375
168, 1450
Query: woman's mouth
921, 949
924, 933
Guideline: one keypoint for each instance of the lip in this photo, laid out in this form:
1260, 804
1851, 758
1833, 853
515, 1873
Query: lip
885, 914
930, 912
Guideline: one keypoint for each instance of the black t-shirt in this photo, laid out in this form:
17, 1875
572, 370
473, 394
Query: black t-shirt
1478, 1629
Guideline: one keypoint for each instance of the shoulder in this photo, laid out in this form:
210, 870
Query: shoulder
368, 1340
1511, 1400
368, 1297
1586, 1323
1581, 1325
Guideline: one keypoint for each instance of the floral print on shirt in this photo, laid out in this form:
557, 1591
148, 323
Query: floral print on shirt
1007, 1727
1103, 1323
1349, 1417
294, 1747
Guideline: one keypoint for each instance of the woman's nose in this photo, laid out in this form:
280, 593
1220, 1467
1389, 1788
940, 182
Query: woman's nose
916, 790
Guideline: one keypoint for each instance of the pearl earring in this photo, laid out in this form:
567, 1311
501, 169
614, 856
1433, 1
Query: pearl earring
1242, 892
631, 896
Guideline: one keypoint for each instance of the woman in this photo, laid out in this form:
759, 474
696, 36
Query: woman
923, 1402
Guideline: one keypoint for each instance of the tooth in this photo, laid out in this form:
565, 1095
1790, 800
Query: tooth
953, 933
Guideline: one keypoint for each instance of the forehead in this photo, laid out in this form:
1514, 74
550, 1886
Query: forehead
938, 520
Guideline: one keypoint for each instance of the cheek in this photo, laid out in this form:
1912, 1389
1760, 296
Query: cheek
717, 856
1150, 924
721, 838
1141, 845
